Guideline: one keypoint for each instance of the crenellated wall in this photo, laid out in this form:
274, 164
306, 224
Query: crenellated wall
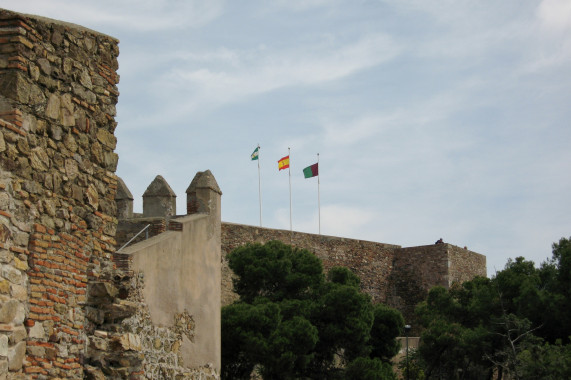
175, 280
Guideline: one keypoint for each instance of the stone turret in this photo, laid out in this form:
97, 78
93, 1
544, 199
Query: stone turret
124, 200
203, 195
159, 199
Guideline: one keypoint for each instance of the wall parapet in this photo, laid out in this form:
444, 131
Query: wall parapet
176, 284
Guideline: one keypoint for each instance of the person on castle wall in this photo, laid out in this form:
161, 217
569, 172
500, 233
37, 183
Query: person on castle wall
439, 241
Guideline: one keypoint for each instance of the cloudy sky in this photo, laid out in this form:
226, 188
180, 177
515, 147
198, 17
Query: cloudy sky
433, 118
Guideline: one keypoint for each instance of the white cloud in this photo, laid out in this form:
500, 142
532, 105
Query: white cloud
300, 5
336, 220
139, 15
555, 15
253, 72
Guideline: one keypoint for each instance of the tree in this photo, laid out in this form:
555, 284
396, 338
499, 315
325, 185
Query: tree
487, 325
291, 322
369, 369
387, 324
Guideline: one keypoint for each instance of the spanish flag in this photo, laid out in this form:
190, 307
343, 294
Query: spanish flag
283, 163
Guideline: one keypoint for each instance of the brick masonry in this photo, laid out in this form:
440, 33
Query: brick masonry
70, 306
58, 90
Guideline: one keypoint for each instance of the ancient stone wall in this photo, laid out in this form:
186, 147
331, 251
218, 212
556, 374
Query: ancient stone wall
399, 277
372, 262
58, 90
465, 264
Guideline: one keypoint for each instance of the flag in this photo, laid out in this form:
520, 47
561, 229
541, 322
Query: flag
311, 171
255, 154
283, 163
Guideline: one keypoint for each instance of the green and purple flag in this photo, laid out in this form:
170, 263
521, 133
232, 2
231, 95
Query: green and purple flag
311, 171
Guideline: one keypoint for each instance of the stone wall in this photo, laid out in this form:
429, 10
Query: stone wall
58, 90
70, 306
465, 264
371, 261
399, 277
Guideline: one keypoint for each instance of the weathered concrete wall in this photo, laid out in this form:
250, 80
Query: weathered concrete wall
181, 271
176, 282
57, 188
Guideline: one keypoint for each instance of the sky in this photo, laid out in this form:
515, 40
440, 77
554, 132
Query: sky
432, 118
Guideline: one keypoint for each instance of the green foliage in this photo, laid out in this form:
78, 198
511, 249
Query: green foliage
291, 323
501, 324
548, 362
387, 324
369, 369
415, 367
274, 271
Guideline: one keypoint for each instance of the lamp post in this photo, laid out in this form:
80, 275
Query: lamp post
406, 330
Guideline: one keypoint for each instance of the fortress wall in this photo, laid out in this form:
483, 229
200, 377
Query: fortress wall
465, 264
57, 188
398, 277
415, 271
371, 261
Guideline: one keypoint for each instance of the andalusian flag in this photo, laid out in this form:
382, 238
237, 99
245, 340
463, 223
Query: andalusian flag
255, 154
311, 171
283, 163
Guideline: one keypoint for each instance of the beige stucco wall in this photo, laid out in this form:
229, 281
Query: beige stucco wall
182, 273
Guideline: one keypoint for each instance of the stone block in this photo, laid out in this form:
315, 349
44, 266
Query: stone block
37, 331
18, 335
53, 107
19, 292
129, 342
16, 356
3, 345
11, 274
4, 286
9, 311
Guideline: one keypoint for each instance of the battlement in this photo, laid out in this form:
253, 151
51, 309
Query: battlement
399, 277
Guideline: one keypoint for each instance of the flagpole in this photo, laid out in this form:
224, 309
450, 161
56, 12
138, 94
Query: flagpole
289, 173
318, 199
259, 186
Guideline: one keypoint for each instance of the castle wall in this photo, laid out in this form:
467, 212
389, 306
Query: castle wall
399, 277
58, 90
465, 264
372, 262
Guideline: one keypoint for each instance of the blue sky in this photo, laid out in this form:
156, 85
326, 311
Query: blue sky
432, 118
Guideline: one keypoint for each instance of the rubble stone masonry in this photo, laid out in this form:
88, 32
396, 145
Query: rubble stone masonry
58, 91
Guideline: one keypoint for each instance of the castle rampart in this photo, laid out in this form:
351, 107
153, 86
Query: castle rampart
389, 273
58, 90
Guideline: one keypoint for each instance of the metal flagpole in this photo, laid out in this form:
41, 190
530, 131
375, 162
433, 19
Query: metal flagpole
289, 173
318, 200
259, 186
